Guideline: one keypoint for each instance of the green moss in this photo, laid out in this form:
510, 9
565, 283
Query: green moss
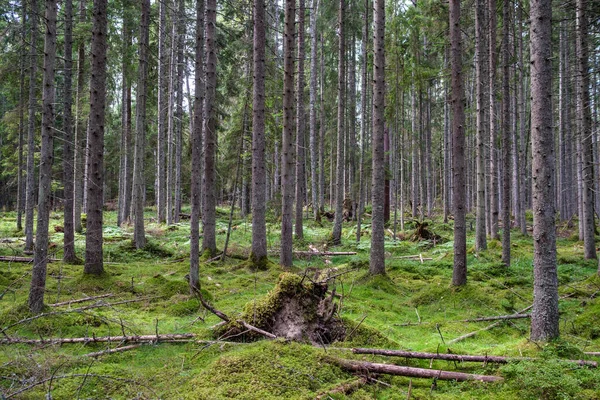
260, 264
167, 288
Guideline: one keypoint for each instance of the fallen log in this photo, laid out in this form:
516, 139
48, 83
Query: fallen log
471, 334
498, 317
24, 259
257, 330
323, 253
592, 353
111, 351
82, 300
363, 366
104, 339
458, 357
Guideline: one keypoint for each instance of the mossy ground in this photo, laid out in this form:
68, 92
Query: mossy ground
412, 307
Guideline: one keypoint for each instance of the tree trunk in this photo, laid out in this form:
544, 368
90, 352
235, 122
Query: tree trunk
80, 129
585, 130
179, 108
162, 112
459, 276
69, 229
300, 125
377, 259
196, 143
336, 236
38, 274
481, 62
125, 151
30, 183
23, 58
139, 186
506, 135
363, 119
522, 155
544, 318
322, 125
313, 111
209, 242
95, 178
492, 60
287, 151
259, 230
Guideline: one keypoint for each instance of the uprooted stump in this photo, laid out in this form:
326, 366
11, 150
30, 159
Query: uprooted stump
296, 309
422, 232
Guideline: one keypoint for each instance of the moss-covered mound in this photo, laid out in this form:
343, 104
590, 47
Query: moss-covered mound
296, 309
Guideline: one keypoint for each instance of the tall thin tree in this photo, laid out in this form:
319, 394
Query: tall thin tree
459, 276
377, 260
95, 178
336, 236
506, 135
38, 274
300, 126
259, 230
544, 317
196, 141
287, 150
69, 227
209, 242
139, 188
313, 111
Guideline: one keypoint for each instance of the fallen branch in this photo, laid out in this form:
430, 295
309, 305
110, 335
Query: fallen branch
258, 330
24, 259
471, 334
66, 303
111, 351
363, 366
457, 357
103, 339
498, 317
210, 308
414, 257
80, 309
592, 353
344, 388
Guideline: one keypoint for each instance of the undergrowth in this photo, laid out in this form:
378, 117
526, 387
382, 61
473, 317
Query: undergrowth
412, 307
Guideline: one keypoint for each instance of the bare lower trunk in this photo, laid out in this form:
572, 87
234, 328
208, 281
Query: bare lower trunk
363, 120
313, 111
300, 125
95, 154
163, 85
377, 259
287, 150
80, 130
30, 182
336, 236
459, 276
139, 187
196, 143
506, 135
69, 229
494, 164
209, 242
38, 274
481, 49
179, 108
544, 318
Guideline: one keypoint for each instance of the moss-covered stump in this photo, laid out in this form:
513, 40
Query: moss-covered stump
296, 309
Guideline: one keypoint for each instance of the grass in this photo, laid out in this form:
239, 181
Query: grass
412, 307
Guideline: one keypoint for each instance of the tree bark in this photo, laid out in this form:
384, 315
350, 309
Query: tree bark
459, 276
259, 230
80, 129
69, 228
20, 182
209, 242
506, 135
363, 120
38, 274
162, 112
300, 126
196, 143
314, 168
139, 186
544, 318
336, 236
30, 181
377, 259
585, 130
481, 62
95, 177
181, 26
493, 177
287, 151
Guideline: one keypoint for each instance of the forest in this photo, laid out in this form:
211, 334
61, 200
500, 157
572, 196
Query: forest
299, 199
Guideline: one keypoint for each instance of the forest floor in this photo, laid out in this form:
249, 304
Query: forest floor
413, 307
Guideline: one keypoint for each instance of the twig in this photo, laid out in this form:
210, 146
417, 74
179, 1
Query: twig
84, 378
210, 308
356, 327
66, 303
499, 317
111, 351
257, 330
